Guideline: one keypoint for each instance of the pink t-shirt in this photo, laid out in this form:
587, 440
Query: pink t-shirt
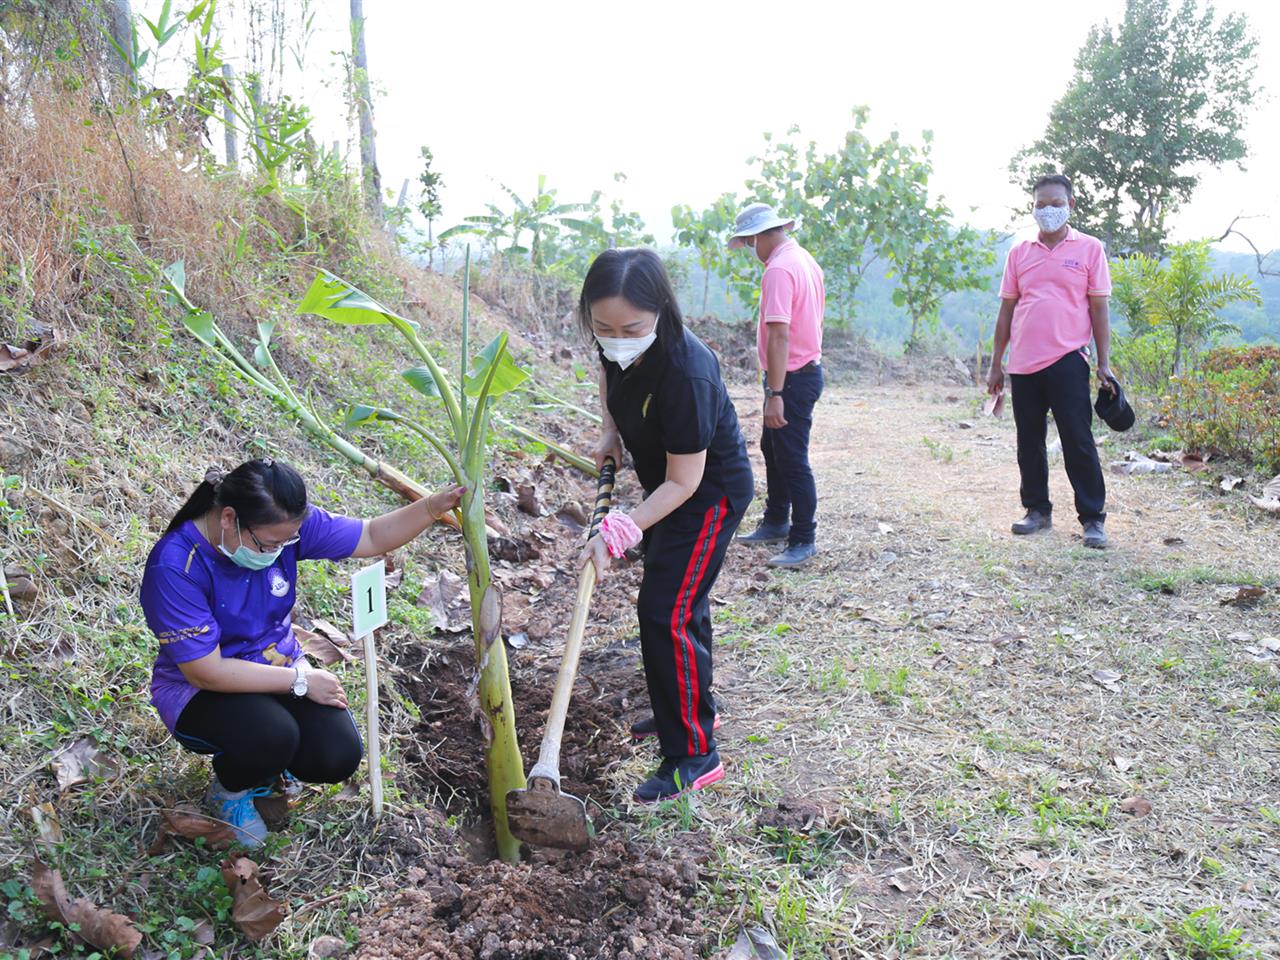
1052, 287
791, 291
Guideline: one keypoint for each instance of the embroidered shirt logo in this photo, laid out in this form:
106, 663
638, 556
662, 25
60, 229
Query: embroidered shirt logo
644, 407
1072, 264
279, 585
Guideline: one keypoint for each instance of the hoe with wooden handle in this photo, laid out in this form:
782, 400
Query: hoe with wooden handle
540, 814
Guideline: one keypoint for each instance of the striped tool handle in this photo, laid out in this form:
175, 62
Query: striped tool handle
604, 495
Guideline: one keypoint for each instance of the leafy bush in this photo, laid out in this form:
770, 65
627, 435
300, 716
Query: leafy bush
1143, 362
1232, 404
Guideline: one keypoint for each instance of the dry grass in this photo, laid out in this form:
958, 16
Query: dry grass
932, 686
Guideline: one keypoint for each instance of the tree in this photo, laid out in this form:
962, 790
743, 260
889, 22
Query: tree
539, 216
1153, 103
364, 102
705, 231
1180, 297
429, 205
929, 257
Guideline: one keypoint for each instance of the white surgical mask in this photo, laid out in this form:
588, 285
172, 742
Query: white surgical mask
1051, 219
624, 351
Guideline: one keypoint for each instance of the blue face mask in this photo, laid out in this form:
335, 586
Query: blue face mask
244, 557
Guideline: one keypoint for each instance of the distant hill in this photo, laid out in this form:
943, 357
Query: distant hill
968, 316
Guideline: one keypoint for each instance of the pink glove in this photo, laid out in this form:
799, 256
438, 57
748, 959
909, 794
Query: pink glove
619, 533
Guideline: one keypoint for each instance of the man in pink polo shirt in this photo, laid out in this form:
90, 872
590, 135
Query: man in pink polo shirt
1053, 301
789, 342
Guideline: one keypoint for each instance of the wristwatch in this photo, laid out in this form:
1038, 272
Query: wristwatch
770, 393
299, 688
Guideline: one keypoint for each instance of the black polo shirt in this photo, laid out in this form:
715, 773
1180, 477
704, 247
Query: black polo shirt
673, 400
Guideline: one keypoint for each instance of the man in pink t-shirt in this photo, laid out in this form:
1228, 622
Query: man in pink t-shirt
789, 343
1053, 301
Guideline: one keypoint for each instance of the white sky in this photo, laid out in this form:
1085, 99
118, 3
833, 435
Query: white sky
677, 95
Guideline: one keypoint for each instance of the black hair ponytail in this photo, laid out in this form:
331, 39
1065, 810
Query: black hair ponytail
260, 491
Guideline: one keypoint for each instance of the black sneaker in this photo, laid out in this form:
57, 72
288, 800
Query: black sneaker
1033, 522
648, 727
796, 555
767, 533
680, 775
1095, 536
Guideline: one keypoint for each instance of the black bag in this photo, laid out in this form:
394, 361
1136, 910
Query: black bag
1114, 408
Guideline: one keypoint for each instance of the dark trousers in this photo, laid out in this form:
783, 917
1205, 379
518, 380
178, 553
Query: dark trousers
682, 558
1061, 387
254, 737
792, 493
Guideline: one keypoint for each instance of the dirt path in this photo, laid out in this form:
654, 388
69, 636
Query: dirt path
935, 736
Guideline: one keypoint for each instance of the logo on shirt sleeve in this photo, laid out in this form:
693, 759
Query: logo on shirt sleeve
279, 585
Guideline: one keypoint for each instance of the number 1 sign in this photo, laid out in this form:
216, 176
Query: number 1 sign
369, 612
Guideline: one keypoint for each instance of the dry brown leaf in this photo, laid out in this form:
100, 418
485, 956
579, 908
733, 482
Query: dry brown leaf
572, 516
252, 909
319, 646
1029, 861
79, 763
185, 820
331, 633
393, 573
1007, 638
527, 499
1229, 483
20, 359
92, 924
48, 828
1107, 678
1244, 596
327, 948
1192, 461
445, 595
1138, 806
1123, 764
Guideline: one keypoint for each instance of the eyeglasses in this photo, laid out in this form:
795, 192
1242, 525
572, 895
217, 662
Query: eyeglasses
271, 547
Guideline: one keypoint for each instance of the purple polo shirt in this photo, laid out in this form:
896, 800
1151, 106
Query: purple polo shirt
196, 600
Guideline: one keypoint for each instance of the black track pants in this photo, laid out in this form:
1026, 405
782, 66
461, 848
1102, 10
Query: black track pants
683, 556
1062, 387
254, 737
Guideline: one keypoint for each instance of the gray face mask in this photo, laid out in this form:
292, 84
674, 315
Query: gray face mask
1051, 219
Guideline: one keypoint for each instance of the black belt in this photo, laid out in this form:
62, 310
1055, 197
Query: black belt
811, 365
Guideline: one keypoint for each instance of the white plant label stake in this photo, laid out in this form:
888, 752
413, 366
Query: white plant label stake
369, 612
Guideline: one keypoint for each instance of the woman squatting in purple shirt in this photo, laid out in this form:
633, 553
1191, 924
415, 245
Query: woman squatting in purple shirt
230, 679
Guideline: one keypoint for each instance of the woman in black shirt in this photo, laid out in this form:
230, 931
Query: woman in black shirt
663, 399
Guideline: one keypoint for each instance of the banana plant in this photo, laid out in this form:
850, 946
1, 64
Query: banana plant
265, 375
461, 445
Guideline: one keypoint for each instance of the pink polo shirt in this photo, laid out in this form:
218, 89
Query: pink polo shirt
1052, 287
791, 291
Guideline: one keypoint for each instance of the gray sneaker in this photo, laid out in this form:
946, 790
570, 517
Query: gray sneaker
1033, 522
796, 555
767, 533
1094, 535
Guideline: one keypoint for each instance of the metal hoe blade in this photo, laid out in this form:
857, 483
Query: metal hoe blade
548, 818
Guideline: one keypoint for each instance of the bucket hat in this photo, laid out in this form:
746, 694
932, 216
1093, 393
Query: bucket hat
757, 218
1114, 408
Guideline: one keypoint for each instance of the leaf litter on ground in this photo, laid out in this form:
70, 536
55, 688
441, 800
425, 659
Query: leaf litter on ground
84, 919
252, 908
81, 762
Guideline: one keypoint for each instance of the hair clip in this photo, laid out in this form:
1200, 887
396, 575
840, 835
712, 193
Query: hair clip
214, 477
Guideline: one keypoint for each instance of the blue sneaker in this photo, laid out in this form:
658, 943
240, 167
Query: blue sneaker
236, 808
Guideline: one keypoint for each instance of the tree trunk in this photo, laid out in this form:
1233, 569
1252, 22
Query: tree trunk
364, 101
228, 119
255, 93
119, 17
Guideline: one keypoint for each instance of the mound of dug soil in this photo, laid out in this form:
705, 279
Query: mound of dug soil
617, 900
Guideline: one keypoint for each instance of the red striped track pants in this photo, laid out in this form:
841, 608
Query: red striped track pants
683, 556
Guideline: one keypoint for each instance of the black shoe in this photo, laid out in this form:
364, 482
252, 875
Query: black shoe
1094, 536
796, 555
767, 533
680, 775
648, 727
1033, 522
